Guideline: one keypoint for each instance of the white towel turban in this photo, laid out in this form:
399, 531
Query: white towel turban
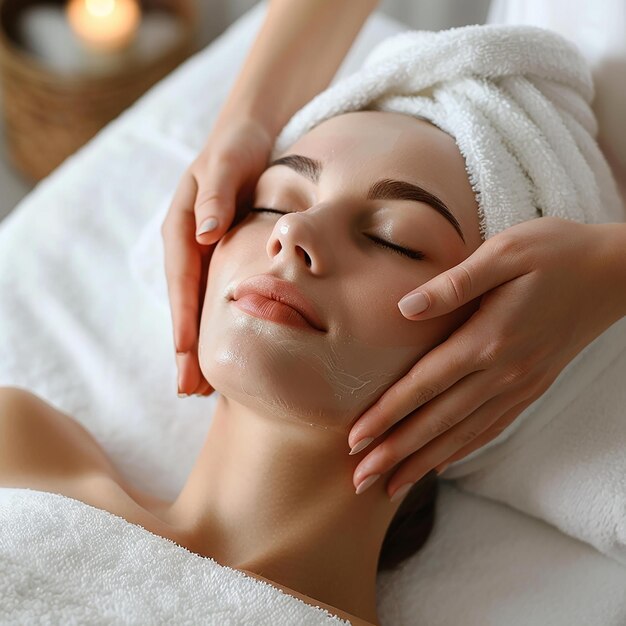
516, 99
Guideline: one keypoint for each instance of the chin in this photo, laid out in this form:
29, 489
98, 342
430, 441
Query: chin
293, 374
277, 376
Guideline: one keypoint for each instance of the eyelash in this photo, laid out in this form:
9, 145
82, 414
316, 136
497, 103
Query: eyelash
405, 252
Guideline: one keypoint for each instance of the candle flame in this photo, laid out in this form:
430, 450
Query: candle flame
105, 24
100, 8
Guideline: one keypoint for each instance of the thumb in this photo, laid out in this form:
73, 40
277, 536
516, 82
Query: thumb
215, 202
483, 270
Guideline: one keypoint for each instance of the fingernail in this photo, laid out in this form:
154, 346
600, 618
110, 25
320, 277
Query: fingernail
208, 225
359, 445
180, 380
413, 304
183, 395
401, 492
370, 480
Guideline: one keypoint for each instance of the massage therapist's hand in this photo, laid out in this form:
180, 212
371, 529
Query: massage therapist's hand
550, 287
202, 210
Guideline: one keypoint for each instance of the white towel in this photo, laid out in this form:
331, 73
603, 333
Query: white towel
563, 459
515, 99
58, 554
65, 562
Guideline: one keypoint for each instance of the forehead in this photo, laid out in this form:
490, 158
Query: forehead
363, 145
380, 134
349, 129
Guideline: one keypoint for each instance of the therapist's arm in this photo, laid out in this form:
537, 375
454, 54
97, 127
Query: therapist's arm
616, 261
295, 56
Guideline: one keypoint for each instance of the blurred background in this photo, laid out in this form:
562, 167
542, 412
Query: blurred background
215, 16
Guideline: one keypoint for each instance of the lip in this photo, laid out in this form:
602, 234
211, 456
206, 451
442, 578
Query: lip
282, 291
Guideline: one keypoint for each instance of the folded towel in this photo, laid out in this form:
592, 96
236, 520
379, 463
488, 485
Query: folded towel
65, 562
564, 460
515, 99
49, 572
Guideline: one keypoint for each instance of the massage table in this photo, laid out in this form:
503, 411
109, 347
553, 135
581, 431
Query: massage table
84, 324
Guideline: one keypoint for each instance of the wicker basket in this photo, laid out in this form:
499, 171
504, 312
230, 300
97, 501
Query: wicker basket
48, 114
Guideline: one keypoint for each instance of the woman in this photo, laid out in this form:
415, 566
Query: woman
300, 331
271, 86
275, 457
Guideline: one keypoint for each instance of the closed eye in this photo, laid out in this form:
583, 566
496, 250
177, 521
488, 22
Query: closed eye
411, 254
261, 209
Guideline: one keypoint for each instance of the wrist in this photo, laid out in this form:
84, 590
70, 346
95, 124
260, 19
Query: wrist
613, 242
278, 77
256, 111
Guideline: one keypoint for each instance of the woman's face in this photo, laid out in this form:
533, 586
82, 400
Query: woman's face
325, 234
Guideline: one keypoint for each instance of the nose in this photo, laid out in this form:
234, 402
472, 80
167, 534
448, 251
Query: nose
296, 239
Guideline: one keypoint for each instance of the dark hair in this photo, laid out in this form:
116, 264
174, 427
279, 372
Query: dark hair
412, 524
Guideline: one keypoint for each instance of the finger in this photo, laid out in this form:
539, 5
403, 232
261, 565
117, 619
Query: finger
204, 389
486, 268
435, 372
182, 257
189, 374
435, 453
216, 200
194, 378
439, 416
407, 438
491, 433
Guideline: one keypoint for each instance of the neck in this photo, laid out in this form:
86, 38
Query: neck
275, 497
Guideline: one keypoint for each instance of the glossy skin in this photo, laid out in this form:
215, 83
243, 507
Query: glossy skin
354, 281
277, 78
289, 396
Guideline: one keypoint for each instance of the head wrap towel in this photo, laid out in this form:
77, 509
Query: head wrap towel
516, 99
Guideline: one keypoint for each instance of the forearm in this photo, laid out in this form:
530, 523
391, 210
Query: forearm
616, 263
298, 50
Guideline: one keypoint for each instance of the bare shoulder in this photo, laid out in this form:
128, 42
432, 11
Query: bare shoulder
37, 441
45, 449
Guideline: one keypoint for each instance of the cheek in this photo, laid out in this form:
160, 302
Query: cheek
237, 250
235, 257
374, 319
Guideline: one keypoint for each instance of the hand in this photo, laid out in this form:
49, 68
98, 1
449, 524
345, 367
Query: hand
549, 288
231, 163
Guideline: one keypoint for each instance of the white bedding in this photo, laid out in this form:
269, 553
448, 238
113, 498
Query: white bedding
484, 565
79, 329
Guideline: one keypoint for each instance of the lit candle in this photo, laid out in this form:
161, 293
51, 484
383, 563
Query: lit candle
105, 24
45, 32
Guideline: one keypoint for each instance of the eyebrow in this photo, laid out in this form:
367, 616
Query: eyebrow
384, 189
